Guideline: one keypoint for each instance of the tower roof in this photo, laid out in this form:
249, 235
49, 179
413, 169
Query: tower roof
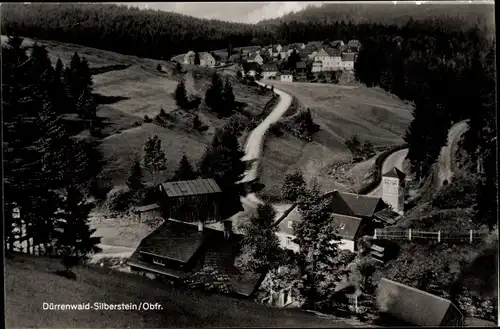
395, 173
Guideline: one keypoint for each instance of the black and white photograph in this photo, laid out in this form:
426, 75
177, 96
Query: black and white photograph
249, 164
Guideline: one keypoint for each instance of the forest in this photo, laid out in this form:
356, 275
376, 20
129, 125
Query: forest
445, 67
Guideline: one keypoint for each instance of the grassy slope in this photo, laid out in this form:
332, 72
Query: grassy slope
340, 111
141, 90
30, 282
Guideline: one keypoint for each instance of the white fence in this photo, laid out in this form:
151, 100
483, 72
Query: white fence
468, 236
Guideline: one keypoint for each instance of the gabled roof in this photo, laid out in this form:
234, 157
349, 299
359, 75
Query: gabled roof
347, 226
353, 43
300, 65
348, 57
271, 67
337, 43
191, 187
205, 55
414, 306
189, 53
235, 56
174, 240
395, 173
286, 72
332, 52
338, 204
249, 66
362, 205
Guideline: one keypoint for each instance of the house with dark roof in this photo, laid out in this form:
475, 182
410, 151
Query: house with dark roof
364, 206
348, 61
411, 306
301, 68
350, 226
353, 46
269, 70
286, 76
193, 201
250, 68
179, 251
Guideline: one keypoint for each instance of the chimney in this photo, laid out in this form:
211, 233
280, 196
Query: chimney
227, 229
200, 226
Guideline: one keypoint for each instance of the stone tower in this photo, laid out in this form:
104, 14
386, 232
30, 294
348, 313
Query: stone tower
393, 189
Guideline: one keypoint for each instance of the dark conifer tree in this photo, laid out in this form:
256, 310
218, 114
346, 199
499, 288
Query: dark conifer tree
184, 171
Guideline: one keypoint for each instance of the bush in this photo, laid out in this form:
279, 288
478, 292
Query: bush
99, 188
158, 67
118, 199
147, 119
461, 193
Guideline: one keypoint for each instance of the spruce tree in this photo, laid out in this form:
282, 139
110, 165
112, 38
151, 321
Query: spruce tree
197, 58
86, 107
134, 181
214, 93
155, 159
180, 95
293, 186
184, 171
228, 100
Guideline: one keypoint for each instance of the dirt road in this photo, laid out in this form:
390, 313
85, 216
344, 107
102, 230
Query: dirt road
445, 159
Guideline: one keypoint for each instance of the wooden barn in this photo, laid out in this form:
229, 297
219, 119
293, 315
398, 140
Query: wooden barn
191, 201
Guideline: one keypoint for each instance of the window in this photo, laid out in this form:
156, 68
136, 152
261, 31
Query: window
158, 261
289, 240
290, 224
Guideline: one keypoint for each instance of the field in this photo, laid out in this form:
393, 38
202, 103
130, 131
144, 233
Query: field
130, 87
341, 111
30, 282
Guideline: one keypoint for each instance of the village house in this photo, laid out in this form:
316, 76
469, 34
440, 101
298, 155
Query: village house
151, 212
330, 59
347, 62
255, 58
189, 57
393, 185
285, 52
350, 226
250, 69
353, 46
286, 76
269, 71
301, 69
274, 50
193, 201
317, 66
176, 250
207, 60
235, 59
400, 304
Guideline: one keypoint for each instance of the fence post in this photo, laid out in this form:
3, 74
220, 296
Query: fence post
470, 236
439, 236
375, 234
409, 234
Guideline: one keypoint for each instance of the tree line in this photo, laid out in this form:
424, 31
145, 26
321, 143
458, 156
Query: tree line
47, 171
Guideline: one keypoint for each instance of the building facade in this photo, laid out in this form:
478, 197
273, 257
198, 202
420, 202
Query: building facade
207, 60
189, 57
393, 189
286, 76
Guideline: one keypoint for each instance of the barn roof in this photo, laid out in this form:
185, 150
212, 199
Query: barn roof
191, 187
362, 205
388, 216
395, 173
271, 67
286, 72
412, 305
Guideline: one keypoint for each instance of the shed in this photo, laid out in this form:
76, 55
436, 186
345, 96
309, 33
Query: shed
148, 212
416, 307
195, 200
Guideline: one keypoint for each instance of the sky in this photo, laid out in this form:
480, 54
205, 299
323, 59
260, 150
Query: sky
244, 12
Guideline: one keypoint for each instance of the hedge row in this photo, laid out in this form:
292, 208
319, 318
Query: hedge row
377, 175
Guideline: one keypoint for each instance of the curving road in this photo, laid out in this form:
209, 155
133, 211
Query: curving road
445, 170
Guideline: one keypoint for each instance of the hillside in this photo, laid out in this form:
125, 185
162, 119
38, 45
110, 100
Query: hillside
30, 282
387, 13
341, 111
132, 87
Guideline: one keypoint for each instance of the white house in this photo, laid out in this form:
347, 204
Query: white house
393, 189
347, 62
189, 57
286, 76
285, 52
317, 66
206, 59
275, 50
330, 59
349, 227
269, 70
256, 58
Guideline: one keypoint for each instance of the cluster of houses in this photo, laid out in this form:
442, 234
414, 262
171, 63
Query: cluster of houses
312, 57
184, 244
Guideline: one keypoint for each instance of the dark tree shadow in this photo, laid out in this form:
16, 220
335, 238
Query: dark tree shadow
66, 274
108, 68
107, 100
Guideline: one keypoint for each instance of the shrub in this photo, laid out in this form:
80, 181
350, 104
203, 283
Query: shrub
158, 67
147, 119
460, 193
118, 199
